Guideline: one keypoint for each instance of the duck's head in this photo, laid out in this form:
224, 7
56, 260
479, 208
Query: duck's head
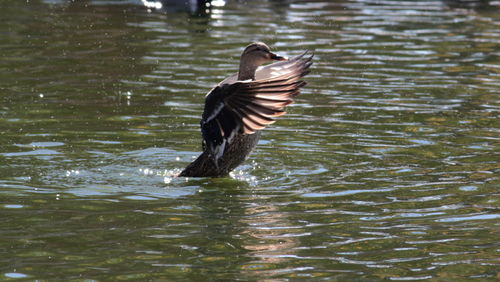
260, 53
253, 56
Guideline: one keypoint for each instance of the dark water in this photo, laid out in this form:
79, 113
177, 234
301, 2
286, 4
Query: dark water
386, 167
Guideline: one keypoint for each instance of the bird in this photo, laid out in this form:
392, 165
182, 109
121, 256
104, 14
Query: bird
239, 107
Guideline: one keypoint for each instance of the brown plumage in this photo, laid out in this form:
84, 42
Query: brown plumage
243, 104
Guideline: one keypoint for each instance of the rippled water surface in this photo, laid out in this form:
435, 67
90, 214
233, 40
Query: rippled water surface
386, 167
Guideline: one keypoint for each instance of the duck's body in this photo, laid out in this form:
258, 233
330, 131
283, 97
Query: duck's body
243, 104
204, 166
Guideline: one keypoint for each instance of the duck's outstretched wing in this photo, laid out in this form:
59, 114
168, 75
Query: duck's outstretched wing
248, 106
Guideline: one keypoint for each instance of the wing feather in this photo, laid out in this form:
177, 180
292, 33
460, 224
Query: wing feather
248, 106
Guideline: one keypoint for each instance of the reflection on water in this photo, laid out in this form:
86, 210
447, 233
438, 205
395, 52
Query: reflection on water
385, 168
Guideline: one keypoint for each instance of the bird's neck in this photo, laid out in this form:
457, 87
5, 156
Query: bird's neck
247, 69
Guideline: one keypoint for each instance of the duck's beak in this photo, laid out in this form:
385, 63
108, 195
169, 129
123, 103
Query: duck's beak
275, 57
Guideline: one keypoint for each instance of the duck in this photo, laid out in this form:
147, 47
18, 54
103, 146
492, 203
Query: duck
240, 106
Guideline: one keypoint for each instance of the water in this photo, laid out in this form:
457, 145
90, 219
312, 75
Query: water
386, 167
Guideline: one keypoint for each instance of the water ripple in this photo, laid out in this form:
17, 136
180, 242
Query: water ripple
383, 169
